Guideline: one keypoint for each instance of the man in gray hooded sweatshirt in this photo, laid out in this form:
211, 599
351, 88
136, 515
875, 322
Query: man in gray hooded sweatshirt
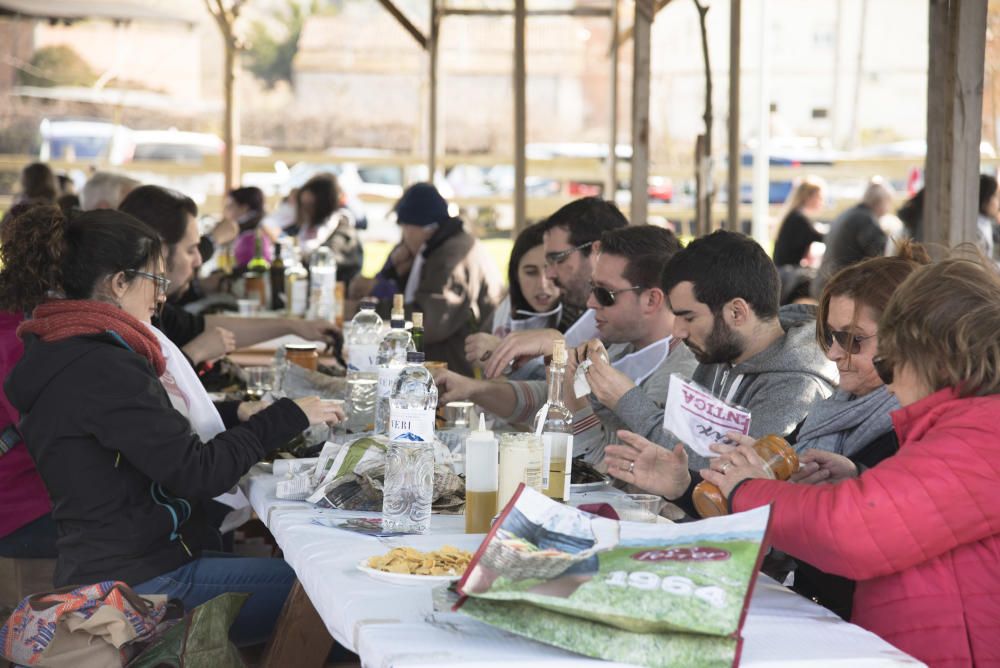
723, 290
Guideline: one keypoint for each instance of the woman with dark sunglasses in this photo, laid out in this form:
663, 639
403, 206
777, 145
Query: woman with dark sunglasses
920, 532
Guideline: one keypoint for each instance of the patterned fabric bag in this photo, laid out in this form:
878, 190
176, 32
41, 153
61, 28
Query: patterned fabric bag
93, 626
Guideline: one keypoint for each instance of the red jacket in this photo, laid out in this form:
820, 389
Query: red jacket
23, 498
920, 532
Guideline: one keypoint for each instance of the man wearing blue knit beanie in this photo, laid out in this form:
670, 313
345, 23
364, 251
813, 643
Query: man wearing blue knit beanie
443, 271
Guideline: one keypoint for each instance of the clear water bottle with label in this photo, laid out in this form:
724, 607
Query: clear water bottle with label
413, 402
409, 468
296, 284
361, 345
554, 423
322, 285
391, 359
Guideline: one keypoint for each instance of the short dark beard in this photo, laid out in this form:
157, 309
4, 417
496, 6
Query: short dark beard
723, 344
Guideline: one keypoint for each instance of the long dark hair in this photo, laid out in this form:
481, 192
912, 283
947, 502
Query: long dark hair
251, 197
326, 196
529, 238
44, 251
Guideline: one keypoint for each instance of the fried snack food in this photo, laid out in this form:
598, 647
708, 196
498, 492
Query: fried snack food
406, 560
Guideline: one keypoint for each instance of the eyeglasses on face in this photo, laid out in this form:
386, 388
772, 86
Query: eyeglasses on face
560, 257
607, 297
884, 369
162, 282
847, 343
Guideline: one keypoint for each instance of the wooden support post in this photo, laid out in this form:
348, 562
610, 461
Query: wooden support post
611, 181
300, 638
626, 34
226, 15
954, 120
733, 177
640, 111
520, 134
702, 217
432, 104
705, 189
761, 222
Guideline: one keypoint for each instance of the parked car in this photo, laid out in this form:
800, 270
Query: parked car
83, 138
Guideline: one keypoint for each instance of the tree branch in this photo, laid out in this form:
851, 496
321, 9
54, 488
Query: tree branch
702, 14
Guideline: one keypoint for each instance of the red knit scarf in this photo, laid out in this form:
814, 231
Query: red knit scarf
62, 318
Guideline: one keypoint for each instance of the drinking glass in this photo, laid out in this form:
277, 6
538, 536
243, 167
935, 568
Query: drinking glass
260, 381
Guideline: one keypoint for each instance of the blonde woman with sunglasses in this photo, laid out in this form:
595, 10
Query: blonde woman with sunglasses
920, 532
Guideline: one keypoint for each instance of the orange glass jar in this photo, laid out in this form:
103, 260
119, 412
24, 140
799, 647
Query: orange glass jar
779, 458
302, 354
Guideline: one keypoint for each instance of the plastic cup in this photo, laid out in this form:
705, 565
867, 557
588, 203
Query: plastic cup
640, 507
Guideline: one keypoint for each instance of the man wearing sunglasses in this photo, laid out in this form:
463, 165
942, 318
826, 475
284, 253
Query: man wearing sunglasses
636, 324
571, 243
632, 317
723, 291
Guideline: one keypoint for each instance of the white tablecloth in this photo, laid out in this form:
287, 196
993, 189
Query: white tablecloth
392, 626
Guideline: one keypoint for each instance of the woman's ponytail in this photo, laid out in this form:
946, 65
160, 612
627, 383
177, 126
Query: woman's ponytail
32, 249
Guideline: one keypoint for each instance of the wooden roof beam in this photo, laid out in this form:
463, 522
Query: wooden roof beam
575, 11
406, 23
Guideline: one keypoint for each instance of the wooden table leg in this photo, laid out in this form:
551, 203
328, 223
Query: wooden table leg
300, 639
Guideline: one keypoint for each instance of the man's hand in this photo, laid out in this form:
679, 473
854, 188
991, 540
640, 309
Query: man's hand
225, 232
210, 345
401, 258
453, 386
607, 383
479, 347
645, 464
529, 343
818, 466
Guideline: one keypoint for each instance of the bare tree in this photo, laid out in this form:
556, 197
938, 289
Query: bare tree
226, 13
703, 147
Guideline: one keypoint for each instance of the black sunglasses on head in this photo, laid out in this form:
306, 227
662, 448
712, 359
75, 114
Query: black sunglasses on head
884, 368
607, 297
847, 343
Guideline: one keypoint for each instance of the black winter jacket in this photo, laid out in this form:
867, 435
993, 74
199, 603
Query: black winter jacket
126, 474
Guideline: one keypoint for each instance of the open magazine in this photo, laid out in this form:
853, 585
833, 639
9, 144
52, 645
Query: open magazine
648, 594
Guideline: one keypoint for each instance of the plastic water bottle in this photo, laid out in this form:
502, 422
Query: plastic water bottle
322, 284
413, 402
362, 377
391, 359
409, 466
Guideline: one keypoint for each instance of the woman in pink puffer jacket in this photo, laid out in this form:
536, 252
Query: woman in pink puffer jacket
920, 532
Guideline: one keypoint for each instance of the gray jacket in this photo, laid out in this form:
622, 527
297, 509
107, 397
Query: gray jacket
597, 425
778, 385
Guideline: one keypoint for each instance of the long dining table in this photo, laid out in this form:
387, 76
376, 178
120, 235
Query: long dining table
390, 625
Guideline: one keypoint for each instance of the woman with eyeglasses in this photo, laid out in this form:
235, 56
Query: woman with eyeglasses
532, 302
920, 532
127, 475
